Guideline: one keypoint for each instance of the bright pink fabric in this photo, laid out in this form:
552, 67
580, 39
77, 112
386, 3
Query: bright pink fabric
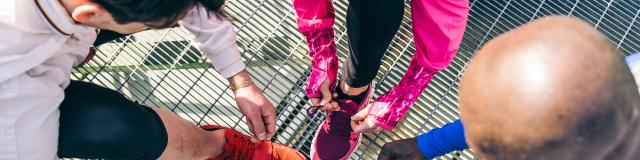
314, 14
438, 27
315, 21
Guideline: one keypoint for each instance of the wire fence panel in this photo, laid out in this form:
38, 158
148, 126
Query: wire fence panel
163, 69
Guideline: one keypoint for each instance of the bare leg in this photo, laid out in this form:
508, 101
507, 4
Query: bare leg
187, 141
100, 123
352, 91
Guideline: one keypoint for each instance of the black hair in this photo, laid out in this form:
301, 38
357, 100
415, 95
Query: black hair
155, 13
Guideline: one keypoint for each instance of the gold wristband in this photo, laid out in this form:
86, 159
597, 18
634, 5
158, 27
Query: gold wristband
234, 87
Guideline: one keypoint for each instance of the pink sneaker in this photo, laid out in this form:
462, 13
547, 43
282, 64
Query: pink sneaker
335, 139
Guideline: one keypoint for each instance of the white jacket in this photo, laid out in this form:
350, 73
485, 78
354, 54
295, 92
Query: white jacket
40, 44
45, 39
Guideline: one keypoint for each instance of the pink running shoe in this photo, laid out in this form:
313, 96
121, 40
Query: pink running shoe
335, 139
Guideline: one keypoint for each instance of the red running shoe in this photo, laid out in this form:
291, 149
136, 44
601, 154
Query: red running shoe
240, 147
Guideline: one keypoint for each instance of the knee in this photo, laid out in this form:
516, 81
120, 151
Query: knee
99, 123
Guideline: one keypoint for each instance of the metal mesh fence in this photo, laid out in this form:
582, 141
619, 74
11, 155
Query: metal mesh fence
161, 68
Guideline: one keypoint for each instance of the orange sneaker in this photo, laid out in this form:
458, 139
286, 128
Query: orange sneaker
240, 147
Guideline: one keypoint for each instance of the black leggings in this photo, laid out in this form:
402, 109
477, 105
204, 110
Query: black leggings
100, 123
371, 25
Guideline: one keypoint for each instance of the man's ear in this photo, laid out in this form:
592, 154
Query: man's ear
88, 13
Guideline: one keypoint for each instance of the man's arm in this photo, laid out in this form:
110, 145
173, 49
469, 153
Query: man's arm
215, 37
435, 143
440, 141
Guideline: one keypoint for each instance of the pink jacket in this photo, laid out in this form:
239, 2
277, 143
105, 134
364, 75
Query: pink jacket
438, 27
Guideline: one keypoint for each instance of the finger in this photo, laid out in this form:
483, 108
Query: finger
378, 129
373, 127
326, 93
269, 118
357, 126
367, 129
366, 126
335, 106
332, 106
361, 115
321, 102
354, 125
361, 129
253, 139
326, 97
258, 126
327, 106
315, 101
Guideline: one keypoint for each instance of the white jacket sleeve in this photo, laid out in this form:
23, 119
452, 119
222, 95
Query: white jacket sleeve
215, 37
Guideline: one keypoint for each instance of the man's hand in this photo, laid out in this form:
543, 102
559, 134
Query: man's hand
361, 123
258, 110
401, 149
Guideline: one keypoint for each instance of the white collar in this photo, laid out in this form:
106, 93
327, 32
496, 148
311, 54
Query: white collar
58, 17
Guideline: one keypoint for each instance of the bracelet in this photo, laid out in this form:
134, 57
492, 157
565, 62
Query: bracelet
234, 87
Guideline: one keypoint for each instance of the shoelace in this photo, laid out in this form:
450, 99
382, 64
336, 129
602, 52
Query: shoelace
342, 117
312, 110
243, 148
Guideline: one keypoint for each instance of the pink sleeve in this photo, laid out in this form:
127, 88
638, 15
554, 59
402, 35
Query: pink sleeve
314, 14
315, 22
438, 27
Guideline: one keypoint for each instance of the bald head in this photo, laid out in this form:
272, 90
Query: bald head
554, 88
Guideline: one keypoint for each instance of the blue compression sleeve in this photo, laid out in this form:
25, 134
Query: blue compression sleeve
440, 141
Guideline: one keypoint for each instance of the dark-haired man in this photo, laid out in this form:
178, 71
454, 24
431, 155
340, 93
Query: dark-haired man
40, 42
555, 88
